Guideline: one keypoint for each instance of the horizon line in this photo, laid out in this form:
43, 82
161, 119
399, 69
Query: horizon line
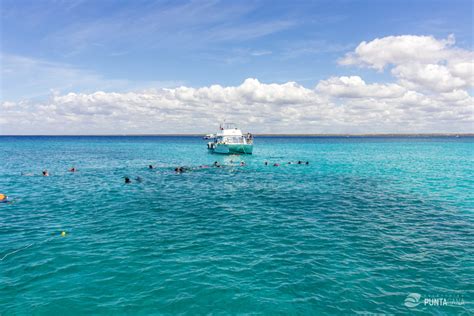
256, 134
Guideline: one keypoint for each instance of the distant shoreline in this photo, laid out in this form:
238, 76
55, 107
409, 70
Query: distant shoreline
262, 135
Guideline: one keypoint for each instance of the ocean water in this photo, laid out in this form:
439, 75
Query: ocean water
368, 222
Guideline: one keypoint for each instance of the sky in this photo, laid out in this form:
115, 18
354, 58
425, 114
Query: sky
145, 67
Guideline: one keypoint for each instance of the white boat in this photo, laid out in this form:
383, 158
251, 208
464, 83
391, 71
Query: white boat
230, 140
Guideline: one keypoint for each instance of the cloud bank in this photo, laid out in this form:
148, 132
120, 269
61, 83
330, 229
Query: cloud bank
430, 92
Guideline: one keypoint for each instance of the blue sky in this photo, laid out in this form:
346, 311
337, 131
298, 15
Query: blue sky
168, 43
52, 48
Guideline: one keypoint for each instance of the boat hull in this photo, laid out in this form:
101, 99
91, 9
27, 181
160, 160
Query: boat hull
232, 149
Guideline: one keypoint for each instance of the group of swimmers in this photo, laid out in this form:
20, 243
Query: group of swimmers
180, 169
299, 162
242, 163
215, 164
45, 172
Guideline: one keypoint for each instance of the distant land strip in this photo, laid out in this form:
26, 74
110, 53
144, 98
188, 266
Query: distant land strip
262, 135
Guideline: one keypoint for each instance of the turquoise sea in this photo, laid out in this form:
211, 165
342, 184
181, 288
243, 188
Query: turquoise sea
370, 221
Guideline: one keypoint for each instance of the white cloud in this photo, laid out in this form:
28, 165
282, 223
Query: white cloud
419, 62
430, 94
338, 105
355, 87
399, 50
259, 53
432, 76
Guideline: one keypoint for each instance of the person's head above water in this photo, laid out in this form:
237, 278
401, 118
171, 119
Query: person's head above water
299, 162
127, 180
45, 173
150, 167
307, 162
73, 169
266, 163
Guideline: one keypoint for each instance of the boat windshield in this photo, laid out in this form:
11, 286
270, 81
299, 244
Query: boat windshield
228, 126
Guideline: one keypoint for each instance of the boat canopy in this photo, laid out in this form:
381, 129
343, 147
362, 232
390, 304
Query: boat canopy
228, 129
226, 125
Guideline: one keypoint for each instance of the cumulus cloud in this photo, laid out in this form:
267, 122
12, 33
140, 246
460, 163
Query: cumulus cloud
419, 62
432, 76
430, 93
399, 50
355, 87
337, 105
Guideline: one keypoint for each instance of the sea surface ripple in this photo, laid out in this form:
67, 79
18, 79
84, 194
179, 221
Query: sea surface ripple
366, 223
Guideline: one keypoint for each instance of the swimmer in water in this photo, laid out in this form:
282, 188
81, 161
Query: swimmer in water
289, 162
216, 164
299, 162
3, 198
72, 169
242, 163
307, 162
276, 164
127, 180
266, 163
45, 173
179, 169
150, 167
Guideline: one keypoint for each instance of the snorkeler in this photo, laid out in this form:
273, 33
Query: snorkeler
3, 198
45, 173
179, 169
127, 180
